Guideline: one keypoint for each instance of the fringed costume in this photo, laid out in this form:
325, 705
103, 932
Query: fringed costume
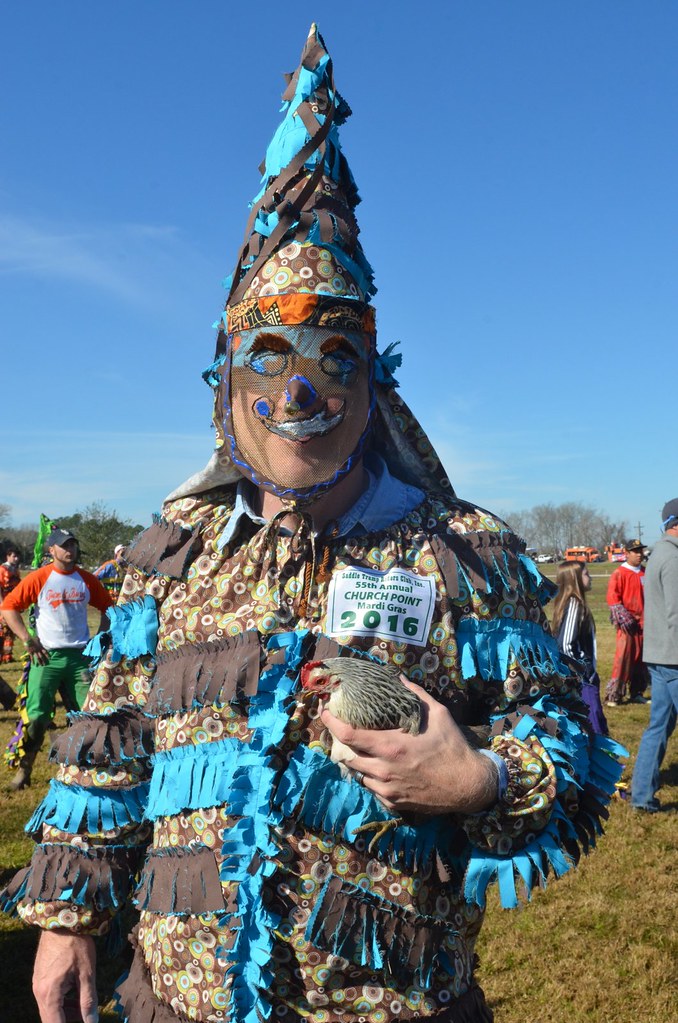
197, 779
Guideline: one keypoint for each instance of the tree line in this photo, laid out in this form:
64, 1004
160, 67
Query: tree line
552, 528
98, 529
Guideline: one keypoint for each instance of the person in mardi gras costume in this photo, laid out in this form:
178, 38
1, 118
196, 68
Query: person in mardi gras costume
9, 578
112, 572
323, 527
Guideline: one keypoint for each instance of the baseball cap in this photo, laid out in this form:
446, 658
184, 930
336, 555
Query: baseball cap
59, 537
670, 513
634, 545
119, 547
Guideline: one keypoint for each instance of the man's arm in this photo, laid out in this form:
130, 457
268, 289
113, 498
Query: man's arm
669, 581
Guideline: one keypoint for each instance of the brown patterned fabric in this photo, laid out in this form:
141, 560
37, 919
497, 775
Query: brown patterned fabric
223, 671
137, 999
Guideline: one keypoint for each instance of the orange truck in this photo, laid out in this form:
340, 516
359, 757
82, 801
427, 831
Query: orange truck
615, 552
583, 554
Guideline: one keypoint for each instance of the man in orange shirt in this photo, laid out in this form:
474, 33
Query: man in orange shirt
9, 578
61, 593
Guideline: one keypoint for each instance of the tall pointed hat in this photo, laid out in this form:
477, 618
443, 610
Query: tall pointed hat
302, 233
301, 262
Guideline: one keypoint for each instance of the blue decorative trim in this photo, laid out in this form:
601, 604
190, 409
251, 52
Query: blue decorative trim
487, 646
249, 849
198, 777
211, 375
313, 790
534, 581
133, 631
66, 807
385, 364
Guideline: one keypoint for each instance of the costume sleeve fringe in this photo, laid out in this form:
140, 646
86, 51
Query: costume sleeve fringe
165, 548
133, 632
181, 881
372, 932
64, 873
104, 739
68, 807
487, 647
488, 562
200, 674
586, 765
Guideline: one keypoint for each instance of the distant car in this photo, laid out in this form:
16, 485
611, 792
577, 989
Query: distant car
544, 559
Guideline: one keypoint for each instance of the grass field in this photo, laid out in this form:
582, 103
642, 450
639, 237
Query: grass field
598, 946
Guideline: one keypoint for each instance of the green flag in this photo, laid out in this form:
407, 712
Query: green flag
46, 527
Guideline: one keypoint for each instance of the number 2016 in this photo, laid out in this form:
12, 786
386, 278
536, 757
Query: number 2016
372, 620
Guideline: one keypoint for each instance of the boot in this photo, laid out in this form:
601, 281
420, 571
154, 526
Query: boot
22, 778
35, 733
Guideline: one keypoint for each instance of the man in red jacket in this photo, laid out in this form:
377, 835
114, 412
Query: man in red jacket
61, 593
626, 601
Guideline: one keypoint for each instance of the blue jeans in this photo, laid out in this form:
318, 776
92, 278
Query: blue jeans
663, 713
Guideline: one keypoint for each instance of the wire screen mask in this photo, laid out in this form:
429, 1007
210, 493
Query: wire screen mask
297, 404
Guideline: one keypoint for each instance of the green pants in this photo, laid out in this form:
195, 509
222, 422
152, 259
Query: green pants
66, 671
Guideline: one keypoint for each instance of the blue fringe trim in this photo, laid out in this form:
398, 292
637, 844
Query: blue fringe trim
313, 790
249, 849
211, 375
133, 631
486, 647
66, 807
544, 853
385, 364
197, 777
587, 763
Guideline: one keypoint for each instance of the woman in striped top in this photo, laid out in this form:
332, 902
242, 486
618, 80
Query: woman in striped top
576, 631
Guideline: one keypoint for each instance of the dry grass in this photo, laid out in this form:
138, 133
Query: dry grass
598, 946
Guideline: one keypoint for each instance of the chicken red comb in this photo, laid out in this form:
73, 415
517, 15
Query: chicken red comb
306, 670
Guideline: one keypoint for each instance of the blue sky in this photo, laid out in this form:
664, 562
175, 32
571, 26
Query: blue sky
517, 162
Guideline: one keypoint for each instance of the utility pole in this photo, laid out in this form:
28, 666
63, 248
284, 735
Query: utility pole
639, 529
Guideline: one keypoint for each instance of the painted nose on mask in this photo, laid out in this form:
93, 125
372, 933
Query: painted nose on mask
300, 394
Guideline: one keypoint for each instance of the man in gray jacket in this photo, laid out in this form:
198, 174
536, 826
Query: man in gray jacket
660, 653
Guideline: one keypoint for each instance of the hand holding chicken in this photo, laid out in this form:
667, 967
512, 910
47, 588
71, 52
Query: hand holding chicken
405, 745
